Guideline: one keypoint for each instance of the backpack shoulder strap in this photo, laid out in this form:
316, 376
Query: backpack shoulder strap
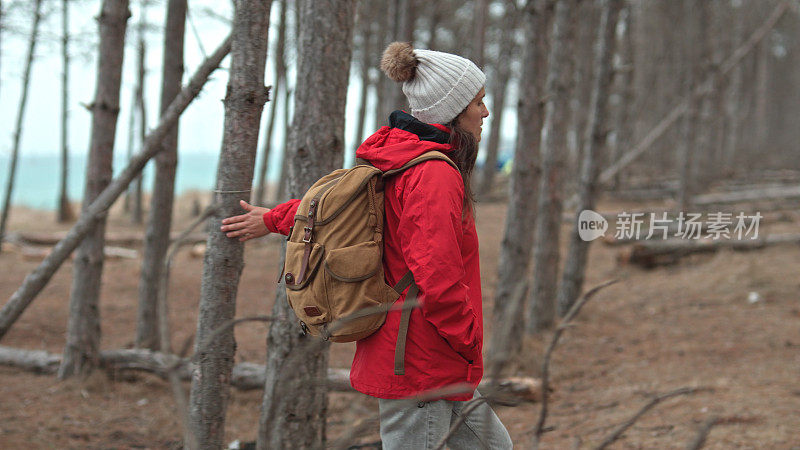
421, 158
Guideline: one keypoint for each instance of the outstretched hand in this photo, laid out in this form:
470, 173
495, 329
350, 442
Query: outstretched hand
246, 226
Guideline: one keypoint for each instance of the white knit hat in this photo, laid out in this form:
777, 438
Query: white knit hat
438, 85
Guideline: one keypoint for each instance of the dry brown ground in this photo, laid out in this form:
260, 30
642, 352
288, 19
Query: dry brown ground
655, 331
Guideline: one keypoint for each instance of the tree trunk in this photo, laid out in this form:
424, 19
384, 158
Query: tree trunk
586, 18
392, 94
159, 220
141, 110
65, 213
479, 31
508, 49
26, 79
294, 406
546, 252
594, 141
223, 262
280, 192
37, 280
515, 248
622, 130
762, 80
83, 327
284, 173
280, 74
368, 43
688, 153
128, 200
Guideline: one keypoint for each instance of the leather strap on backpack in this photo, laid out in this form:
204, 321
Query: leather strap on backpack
433, 154
405, 317
308, 231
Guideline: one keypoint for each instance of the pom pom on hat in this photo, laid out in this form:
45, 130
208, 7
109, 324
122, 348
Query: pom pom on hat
398, 61
438, 85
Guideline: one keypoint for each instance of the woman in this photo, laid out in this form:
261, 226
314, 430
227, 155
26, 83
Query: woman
430, 230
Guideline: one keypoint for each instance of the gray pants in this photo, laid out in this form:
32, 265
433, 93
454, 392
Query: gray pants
422, 425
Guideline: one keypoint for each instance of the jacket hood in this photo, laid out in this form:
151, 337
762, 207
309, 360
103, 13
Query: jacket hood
403, 140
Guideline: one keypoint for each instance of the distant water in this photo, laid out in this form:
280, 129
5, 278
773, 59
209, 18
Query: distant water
38, 177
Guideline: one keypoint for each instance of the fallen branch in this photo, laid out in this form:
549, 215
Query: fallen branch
246, 376
650, 254
748, 195
36, 253
565, 323
122, 239
36, 280
616, 434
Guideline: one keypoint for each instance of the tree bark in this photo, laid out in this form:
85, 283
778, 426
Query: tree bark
546, 252
23, 102
159, 220
37, 280
277, 85
83, 326
515, 248
223, 262
294, 406
594, 141
65, 213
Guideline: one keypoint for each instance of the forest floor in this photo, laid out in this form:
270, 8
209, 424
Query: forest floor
686, 325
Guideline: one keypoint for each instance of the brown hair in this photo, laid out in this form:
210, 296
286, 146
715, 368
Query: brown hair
465, 152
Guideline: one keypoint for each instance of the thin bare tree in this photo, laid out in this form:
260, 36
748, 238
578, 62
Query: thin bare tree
223, 261
23, 102
367, 38
159, 221
139, 105
594, 143
65, 213
515, 248
546, 252
83, 327
502, 74
316, 145
479, 20
277, 88
622, 98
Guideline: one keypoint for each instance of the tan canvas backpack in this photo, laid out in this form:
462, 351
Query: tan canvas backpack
334, 255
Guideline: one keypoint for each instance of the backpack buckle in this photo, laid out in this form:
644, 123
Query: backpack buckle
307, 235
304, 327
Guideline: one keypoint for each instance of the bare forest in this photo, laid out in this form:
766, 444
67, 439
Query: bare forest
637, 192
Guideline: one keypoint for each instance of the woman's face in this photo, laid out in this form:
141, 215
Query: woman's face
472, 118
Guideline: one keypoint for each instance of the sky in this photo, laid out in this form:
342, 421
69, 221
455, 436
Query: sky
200, 126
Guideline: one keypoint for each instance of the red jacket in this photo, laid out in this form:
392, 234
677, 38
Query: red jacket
424, 232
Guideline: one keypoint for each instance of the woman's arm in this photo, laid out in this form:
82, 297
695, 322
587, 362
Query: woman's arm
259, 221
